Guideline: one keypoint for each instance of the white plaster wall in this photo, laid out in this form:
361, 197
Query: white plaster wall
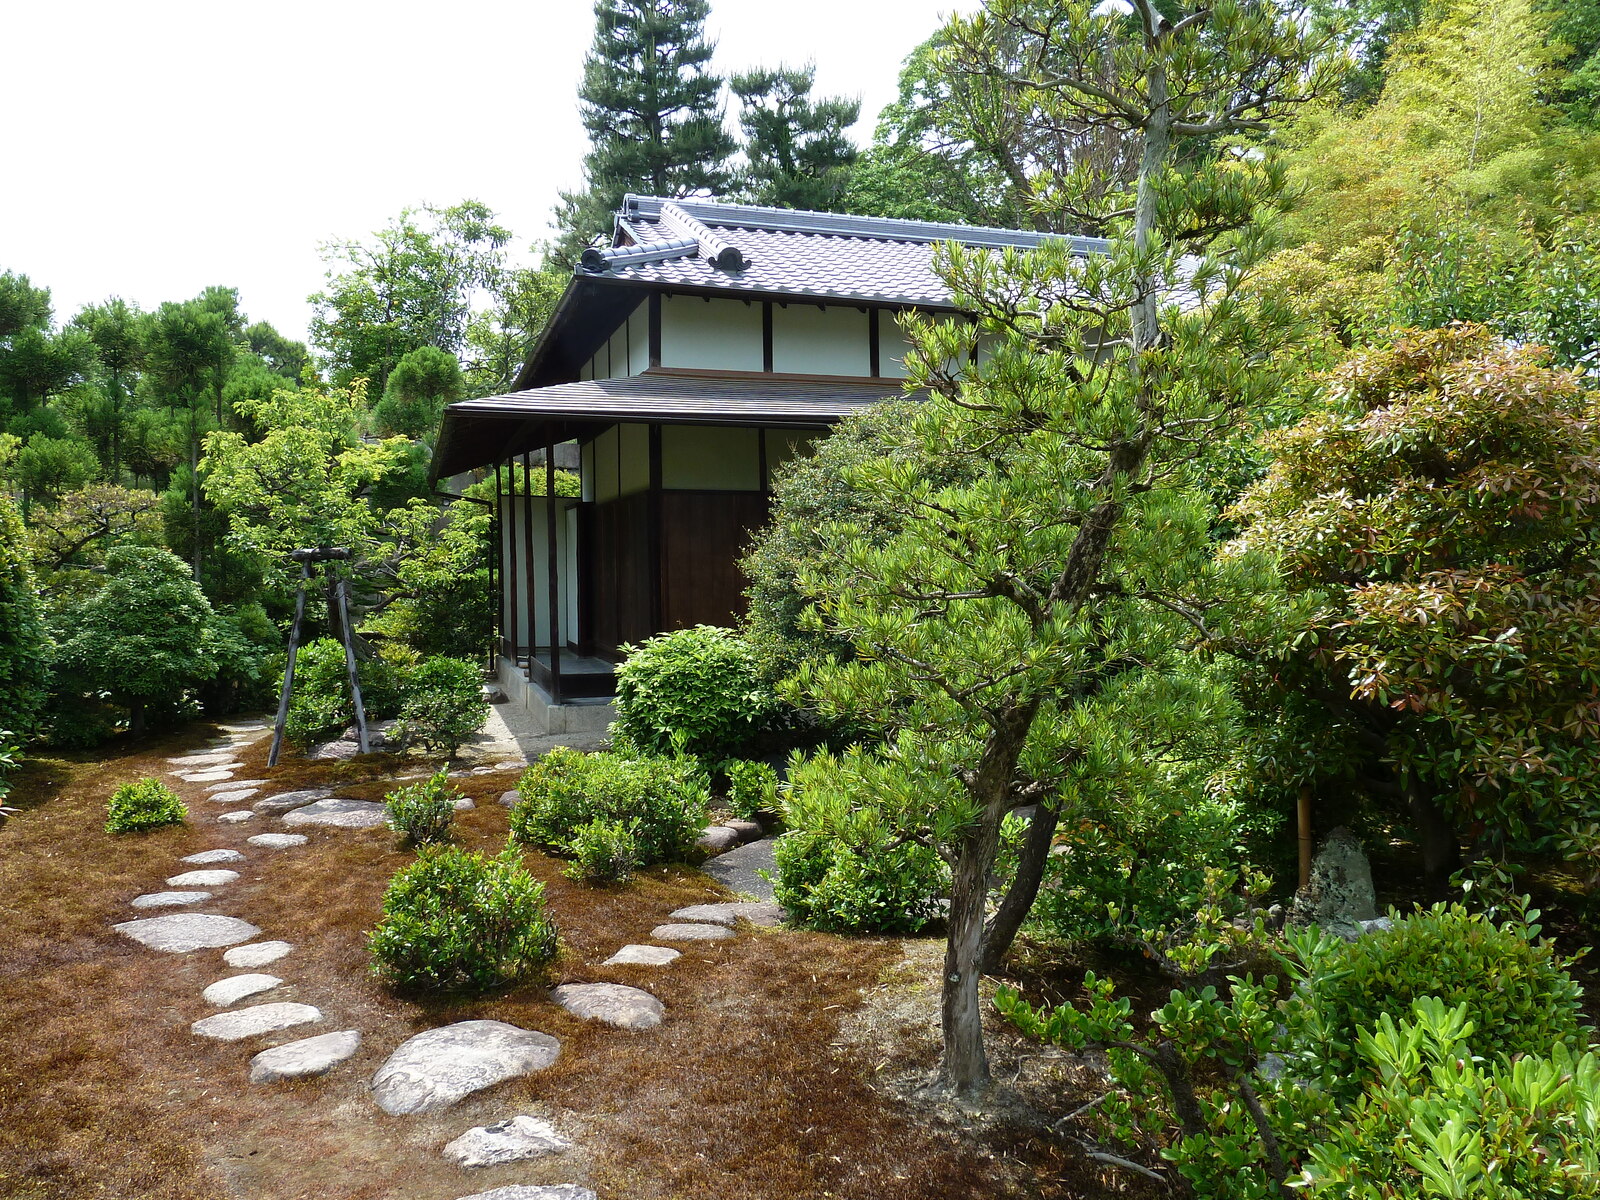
807, 340
892, 347
720, 458
537, 573
639, 338
606, 481
723, 335
586, 470
635, 475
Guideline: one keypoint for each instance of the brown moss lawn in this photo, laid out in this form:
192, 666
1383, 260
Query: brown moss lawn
747, 1091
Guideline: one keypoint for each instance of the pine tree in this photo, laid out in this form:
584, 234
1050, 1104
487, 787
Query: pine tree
796, 152
652, 112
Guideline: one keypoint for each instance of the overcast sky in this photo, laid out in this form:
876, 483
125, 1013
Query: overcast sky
155, 148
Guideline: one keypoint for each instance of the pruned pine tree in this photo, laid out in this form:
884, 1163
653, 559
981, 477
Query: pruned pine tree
1009, 618
797, 153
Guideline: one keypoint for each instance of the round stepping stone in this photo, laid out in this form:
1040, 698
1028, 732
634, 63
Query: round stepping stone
435, 1069
233, 818
235, 988
169, 899
691, 933
179, 933
288, 801
237, 783
202, 879
277, 841
611, 1003
643, 956
757, 912
194, 760
206, 857
207, 776
717, 838
523, 1191
306, 1058
233, 795
257, 954
748, 831
340, 814
514, 1140
253, 1022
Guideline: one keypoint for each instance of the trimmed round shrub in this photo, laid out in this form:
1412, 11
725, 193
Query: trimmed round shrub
664, 800
147, 804
603, 852
443, 705
459, 921
422, 813
752, 788
697, 690
826, 885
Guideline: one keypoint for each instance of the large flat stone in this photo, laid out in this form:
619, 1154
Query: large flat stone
207, 857
256, 1020
179, 933
237, 783
435, 1069
611, 1003
210, 756
243, 727
257, 954
211, 776
169, 899
202, 879
524, 1191
643, 956
674, 932
759, 912
737, 870
716, 839
306, 1058
288, 801
278, 841
234, 818
233, 795
515, 1140
340, 814
225, 992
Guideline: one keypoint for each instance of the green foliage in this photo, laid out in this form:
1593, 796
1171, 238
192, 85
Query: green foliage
321, 705
422, 813
700, 688
663, 800
440, 598
147, 804
48, 467
752, 788
24, 644
459, 921
604, 851
10, 760
797, 153
443, 705
422, 383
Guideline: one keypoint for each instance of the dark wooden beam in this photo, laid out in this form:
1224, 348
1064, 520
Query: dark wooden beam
872, 343
655, 329
527, 540
655, 529
766, 336
508, 531
553, 571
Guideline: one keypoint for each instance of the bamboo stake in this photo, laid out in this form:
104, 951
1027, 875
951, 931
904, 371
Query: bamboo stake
288, 670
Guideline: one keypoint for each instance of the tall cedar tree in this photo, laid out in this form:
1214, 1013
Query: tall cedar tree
652, 112
797, 154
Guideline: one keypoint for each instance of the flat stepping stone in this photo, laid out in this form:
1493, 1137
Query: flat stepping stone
180, 933
233, 795
206, 857
306, 1058
194, 760
238, 783
202, 879
643, 956
760, 912
207, 776
340, 814
523, 1191
611, 1003
233, 818
718, 838
289, 801
169, 899
244, 727
435, 1069
277, 841
515, 1140
691, 933
739, 870
257, 954
225, 992
254, 1021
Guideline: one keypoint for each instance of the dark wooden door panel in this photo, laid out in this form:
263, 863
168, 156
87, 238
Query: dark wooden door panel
703, 536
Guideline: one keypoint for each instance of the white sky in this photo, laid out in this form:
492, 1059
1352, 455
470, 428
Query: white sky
156, 148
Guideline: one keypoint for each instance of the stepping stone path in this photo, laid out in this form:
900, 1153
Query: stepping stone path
192, 760
233, 795
523, 1191
169, 899
612, 1003
202, 879
740, 870
233, 818
673, 932
305, 1058
206, 857
340, 813
253, 1022
238, 783
763, 912
180, 933
257, 954
277, 841
717, 838
288, 801
643, 956
225, 992
210, 776
435, 1069
514, 1140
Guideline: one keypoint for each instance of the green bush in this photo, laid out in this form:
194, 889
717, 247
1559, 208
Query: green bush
663, 799
443, 705
321, 707
604, 852
752, 788
824, 884
148, 804
24, 646
456, 920
698, 690
422, 813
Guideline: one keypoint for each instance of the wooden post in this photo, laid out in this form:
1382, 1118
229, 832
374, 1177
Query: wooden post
288, 669
1303, 817
552, 569
342, 590
496, 578
508, 531
527, 544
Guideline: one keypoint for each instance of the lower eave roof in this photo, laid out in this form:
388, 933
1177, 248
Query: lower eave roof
476, 433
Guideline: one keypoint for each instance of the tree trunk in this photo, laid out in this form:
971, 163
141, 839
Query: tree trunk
966, 1064
136, 719
194, 494
1024, 890
1436, 836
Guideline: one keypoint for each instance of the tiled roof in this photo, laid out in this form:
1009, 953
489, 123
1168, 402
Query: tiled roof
706, 245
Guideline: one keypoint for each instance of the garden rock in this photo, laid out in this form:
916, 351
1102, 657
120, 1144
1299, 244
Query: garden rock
763, 912
611, 1003
210, 776
235, 988
748, 831
253, 1022
717, 838
1340, 893
514, 1140
511, 799
238, 783
288, 801
464, 804
233, 818
435, 1069
306, 1058
523, 1191
257, 954
169, 899
643, 956
233, 795
202, 879
738, 869
206, 857
691, 933
340, 813
179, 933
277, 841
193, 760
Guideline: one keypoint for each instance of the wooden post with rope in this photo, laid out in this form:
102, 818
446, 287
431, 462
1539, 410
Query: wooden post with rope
338, 614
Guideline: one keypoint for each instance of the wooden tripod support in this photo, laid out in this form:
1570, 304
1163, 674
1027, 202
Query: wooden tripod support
341, 600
